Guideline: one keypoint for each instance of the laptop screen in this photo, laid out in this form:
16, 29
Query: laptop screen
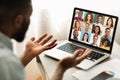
93, 29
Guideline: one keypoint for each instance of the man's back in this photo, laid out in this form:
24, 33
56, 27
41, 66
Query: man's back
10, 66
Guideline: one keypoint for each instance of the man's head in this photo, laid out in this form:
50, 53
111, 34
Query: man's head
75, 33
99, 18
15, 18
107, 32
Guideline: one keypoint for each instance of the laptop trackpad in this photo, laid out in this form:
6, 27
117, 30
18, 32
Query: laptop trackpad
86, 64
57, 54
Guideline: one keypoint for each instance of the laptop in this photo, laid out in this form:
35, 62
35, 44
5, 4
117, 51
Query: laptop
89, 29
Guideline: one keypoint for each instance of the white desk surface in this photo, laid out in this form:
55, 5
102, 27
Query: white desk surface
50, 64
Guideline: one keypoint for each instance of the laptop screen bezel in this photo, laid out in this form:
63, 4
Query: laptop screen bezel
72, 22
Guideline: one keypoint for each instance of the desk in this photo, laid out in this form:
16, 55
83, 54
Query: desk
49, 64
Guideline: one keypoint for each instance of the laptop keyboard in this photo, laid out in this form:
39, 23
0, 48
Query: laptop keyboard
70, 48
95, 56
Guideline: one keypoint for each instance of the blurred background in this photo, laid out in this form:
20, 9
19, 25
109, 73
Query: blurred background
54, 17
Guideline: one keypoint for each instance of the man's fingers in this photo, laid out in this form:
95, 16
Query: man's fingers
53, 42
32, 39
78, 52
41, 38
87, 50
85, 54
52, 46
44, 41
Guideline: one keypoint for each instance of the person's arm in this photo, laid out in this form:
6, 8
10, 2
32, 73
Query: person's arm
59, 72
36, 47
69, 62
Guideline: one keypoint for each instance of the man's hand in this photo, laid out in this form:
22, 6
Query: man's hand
73, 60
69, 62
36, 47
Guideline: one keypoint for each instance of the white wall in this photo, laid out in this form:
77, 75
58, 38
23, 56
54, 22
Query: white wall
54, 16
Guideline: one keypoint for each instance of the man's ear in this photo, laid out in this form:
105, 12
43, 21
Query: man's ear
18, 21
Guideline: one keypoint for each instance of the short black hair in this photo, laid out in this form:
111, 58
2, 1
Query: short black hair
99, 16
107, 29
106, 39
11, 8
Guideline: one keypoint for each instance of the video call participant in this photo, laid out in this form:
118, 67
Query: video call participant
95, 39
109, 23
96, 30
85, 38
75, 35
107, 35
89, 18
77, 25
105, 44
99, 20
14, 22
79, 16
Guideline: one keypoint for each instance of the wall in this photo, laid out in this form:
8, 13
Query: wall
54, 16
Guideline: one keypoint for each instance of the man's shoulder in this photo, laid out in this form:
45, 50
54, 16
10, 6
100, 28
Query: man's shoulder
5, 53
9, 63
7, 56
